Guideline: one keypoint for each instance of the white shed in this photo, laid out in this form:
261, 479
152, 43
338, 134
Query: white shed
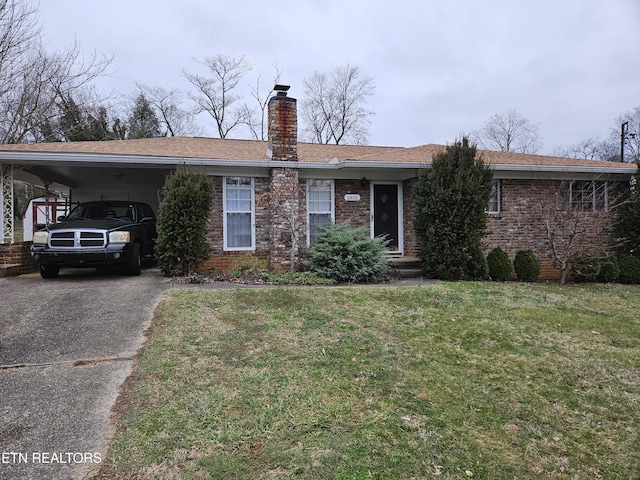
42, 211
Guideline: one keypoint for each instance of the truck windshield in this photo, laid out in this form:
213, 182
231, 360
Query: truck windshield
103, 210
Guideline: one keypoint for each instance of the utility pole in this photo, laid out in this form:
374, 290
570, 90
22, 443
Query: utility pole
624, 129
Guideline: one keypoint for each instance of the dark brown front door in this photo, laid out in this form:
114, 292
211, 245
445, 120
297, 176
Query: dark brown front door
385, 213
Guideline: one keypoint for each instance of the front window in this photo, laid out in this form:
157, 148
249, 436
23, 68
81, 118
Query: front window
319, 207
238, 213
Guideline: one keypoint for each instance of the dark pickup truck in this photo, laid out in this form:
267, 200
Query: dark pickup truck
97, 234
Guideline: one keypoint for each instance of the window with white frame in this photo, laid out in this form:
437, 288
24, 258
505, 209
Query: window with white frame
238, 213
319, 206
494, 198
586, 195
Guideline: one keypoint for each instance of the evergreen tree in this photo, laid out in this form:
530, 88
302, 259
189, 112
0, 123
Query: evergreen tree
143, 122
78, 124
182, 223
627, 221
451, 199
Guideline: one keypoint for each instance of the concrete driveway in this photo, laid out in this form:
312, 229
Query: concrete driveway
66, 347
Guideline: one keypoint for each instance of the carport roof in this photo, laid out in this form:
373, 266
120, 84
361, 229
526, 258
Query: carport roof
215, 151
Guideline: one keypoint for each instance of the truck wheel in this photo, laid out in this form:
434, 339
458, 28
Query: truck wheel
132, 267
49, 271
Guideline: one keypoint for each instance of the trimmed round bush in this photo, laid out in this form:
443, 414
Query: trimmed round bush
500, 267
348, 255
629, 269
526, 266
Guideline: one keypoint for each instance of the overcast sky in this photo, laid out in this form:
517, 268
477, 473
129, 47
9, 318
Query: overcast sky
441, 67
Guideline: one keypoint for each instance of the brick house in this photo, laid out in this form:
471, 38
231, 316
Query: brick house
367, 186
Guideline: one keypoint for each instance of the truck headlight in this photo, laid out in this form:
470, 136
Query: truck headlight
41, 238
119, 237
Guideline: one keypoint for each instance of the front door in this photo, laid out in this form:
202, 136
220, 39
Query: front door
385, 214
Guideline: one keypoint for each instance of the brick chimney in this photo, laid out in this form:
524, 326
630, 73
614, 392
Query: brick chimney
283, 126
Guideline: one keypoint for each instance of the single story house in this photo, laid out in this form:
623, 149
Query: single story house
367, 186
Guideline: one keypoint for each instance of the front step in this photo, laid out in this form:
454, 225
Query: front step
404, 267
9, 270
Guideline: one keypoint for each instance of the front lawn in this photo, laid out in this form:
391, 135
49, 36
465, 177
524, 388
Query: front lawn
451, 380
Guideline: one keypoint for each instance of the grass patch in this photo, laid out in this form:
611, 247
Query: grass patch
452, 380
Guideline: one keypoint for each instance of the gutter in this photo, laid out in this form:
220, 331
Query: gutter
102, 160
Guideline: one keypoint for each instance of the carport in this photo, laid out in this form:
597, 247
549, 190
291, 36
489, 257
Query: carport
80, 177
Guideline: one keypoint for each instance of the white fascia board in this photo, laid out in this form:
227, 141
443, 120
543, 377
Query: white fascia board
630, 170
101, 159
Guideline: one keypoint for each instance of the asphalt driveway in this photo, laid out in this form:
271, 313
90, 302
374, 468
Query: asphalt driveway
66, 347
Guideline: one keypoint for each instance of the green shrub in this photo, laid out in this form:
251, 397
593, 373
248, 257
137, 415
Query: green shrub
347, 255
526, 266
500, 267
609, 269
584, 268
182, 223
629, 269
590, 268
477, 267
451, 198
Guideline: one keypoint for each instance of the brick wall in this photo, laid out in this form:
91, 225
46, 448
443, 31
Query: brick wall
18, 254
356, 213
516, 228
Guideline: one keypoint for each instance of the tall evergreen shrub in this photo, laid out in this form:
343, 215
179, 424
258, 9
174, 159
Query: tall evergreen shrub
182, 223
626, 223
451, 199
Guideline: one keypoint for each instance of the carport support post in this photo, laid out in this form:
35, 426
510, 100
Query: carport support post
6, 208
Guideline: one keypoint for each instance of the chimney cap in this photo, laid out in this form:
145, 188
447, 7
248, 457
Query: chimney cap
281, 89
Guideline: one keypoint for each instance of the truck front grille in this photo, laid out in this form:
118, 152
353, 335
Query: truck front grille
78, 239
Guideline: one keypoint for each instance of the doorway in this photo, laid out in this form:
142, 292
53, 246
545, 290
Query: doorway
386, 203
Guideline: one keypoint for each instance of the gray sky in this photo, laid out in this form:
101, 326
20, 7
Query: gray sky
441, 67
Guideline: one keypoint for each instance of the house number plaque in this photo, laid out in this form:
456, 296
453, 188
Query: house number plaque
352, 197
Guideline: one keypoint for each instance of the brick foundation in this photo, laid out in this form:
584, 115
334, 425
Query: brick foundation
18, 254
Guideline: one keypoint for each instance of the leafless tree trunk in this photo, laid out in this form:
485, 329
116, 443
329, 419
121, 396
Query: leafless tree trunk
258, 126
215, 95
334, 108
508, 132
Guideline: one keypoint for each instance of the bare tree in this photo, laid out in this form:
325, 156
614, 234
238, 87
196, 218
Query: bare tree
33, 81
591, 149
167, 103
215, 94
258, 126
334, 108
571, 214
508, 132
